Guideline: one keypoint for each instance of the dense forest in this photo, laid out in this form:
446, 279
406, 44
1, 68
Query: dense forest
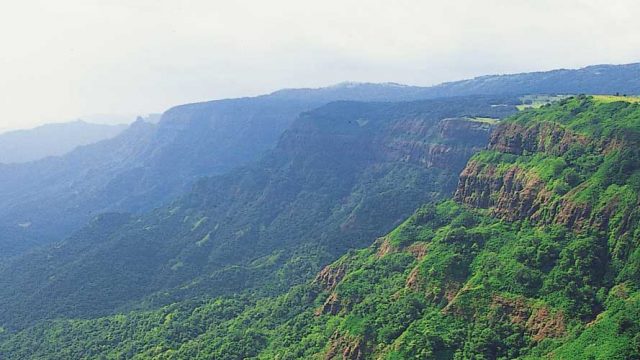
264, 227
535, 256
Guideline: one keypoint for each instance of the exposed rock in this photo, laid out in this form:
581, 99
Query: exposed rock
331, 306
412, 280
453, 292
516, 309
350, 349
385, 248
542, 324
418, 250
451, 142
330, 276
514, 195
545, 137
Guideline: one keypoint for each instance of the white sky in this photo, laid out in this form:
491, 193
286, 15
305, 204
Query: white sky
63, 59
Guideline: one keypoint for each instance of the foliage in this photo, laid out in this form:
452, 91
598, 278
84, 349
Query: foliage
452, 281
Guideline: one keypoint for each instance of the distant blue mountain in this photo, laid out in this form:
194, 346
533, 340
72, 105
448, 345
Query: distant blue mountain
52, 140
149, 164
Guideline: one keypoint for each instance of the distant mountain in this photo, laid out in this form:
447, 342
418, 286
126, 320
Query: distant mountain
52, 140
597, 79
41, 200
342, 174
45, 200
143, 167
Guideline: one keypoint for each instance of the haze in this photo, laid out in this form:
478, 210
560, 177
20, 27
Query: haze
67, 59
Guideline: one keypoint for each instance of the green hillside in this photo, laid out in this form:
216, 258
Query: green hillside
343, 174
536, 256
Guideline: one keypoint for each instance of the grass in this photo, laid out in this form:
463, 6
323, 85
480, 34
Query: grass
615, 98
484, 120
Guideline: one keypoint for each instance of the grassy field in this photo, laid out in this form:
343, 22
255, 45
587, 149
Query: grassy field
485, 120
614, 98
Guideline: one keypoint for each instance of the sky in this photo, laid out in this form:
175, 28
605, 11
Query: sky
111, 60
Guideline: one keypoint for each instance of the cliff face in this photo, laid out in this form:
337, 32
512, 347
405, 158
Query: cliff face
548, 281
550, 172
446, 144
342, 175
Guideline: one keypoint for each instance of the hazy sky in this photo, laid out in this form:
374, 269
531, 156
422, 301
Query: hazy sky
63, 59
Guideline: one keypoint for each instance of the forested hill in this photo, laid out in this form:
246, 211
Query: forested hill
537, 256
148, 165
342, 175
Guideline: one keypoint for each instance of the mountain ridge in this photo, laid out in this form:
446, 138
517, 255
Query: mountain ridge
210, 138
306, 202
55, 139
471, 278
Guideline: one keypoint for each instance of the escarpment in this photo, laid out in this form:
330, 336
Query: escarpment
446, 144
544, 137
549, 172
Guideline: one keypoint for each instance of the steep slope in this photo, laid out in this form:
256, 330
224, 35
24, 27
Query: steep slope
41, 200
44, 201
52, 140
537, 257
341, 175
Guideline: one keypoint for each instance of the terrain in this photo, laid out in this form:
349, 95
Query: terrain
19, 146
342, 174
281, 227
148, 165
536, 256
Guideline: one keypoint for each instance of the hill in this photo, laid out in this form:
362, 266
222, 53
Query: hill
536, 256
19, 146
149, 165
341, 175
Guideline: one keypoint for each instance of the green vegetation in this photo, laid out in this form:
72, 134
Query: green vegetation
332, 184
536, 257
537, 101
484, 120
615, 98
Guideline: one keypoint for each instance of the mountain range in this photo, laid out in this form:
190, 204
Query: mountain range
536, 256
148, 165
281, 226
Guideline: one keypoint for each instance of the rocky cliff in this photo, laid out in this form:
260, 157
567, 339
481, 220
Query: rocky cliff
550, 171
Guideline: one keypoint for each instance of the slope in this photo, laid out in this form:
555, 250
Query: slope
52, 140
537, 257
341, 175
45, 201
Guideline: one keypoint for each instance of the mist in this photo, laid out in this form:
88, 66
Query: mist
68, 59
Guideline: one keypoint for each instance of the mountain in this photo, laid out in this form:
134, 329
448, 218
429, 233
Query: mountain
142, 168
52, 140
342, 174
596, 79
46, 200
536, 256
43, 199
